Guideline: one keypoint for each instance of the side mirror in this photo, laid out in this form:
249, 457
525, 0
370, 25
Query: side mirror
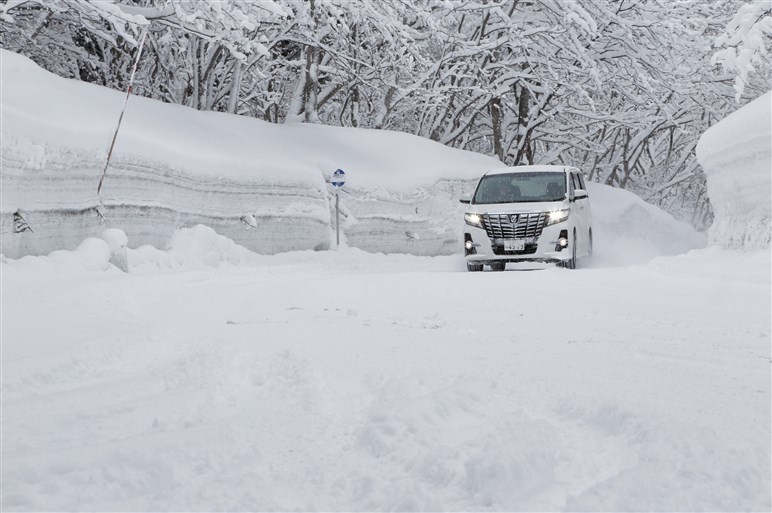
466, 199
580, 193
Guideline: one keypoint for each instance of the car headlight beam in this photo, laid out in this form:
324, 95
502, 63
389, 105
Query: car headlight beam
473, 219
557, 216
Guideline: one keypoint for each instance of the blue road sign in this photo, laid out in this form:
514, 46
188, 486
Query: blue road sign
338, 178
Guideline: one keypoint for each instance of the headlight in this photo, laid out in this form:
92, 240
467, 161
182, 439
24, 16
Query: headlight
473, 219
557, 216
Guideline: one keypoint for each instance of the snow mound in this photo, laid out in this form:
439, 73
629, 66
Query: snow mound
627, 230
192, 248
736, 154
91, 255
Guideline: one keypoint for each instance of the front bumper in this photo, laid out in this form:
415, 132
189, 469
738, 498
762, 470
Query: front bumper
543, 248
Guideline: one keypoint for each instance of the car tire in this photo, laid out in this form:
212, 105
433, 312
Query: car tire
498, 266
588, 259
571, 264
473, 267
589, 249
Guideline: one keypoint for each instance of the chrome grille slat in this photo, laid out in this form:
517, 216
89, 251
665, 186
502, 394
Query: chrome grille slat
498, 226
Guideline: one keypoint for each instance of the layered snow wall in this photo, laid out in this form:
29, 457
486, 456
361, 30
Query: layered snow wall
736, 154
260, 184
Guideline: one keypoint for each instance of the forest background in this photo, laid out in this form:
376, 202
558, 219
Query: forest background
622, 89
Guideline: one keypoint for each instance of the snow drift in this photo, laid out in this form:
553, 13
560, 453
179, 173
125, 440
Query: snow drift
262, 186
737, 156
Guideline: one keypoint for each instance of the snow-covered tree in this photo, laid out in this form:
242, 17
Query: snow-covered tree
745, 44
619, 88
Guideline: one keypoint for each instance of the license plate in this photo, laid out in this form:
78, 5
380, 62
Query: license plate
514, 245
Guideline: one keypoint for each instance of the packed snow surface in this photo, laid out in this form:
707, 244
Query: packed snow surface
211, 378
736, 154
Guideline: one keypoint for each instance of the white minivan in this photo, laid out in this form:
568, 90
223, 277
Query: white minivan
528, 214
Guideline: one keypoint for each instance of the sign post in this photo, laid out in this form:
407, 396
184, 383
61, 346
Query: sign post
337, 181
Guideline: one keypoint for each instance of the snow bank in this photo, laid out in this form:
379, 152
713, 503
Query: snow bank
92, 254
260, 184
736, 154
192, 248
627, 230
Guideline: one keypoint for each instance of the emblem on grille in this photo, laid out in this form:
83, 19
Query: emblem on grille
513, 218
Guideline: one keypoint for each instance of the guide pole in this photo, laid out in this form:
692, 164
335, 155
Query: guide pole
337, 220
337, 180
120, 118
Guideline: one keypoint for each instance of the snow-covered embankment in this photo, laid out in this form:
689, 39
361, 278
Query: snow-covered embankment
259, 184
737, 156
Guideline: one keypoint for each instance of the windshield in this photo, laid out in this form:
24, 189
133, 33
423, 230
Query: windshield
521, 187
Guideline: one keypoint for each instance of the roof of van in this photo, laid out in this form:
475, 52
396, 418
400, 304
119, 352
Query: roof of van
522, 169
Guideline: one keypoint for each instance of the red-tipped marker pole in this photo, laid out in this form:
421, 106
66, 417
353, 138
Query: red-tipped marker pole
128, 93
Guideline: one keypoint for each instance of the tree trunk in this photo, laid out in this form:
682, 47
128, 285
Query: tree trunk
311, 89
297, 101
196, 76
523, 134
233, 96
495, 109
383, 110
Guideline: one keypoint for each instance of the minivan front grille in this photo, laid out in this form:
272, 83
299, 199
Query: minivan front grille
500, 226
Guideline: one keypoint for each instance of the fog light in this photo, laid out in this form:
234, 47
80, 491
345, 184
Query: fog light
563, 242
469, 245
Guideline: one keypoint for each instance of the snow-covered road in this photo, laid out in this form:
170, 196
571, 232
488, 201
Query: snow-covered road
353, 381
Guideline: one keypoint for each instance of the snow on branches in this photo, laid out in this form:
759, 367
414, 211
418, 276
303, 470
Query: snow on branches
745, 44
619, 88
